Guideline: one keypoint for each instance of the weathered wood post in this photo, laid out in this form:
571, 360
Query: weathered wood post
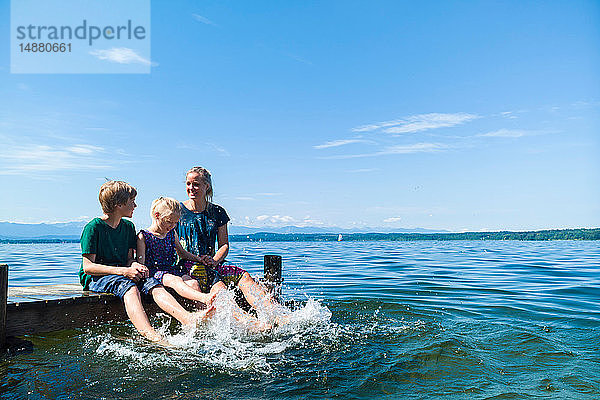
3, 301
272, 273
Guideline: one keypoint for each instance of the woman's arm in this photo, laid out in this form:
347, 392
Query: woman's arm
223, 242
183, 253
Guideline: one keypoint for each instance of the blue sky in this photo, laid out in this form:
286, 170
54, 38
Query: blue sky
440, 115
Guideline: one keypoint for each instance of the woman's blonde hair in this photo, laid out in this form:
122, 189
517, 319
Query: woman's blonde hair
205, 174
115, 193
165, 206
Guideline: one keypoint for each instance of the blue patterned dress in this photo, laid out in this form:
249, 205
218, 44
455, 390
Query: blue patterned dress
161, 257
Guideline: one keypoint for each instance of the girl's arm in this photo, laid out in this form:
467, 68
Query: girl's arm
183, 253
223, 242
141, 249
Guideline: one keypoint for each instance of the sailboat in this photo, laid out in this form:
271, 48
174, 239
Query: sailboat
340, 237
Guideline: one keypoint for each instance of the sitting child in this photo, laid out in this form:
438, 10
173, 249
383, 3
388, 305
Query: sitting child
158, 248
108, 264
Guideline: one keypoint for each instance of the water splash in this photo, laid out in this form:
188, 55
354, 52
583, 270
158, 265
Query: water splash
226, 342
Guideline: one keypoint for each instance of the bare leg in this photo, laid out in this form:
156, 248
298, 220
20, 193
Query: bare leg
261, 299
137, 315
240, 315
187, 291
255, 293
168, 304
217, 287
193, 283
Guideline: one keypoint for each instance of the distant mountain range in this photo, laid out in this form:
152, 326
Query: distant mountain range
72, 230
66, 230
245, 230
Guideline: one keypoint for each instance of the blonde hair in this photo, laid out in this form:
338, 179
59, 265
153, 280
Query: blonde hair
205, 174
165, 206
115, 193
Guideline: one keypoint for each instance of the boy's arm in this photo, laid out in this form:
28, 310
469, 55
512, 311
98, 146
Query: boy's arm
134, 272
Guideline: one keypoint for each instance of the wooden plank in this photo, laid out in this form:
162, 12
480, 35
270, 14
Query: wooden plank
46, 292
48, 308
272, 273
75, 312
3, 301
52, 315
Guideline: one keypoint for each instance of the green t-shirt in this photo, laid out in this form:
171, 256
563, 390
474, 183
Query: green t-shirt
110, 245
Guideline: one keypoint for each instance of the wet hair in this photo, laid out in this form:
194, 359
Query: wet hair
165, 206
115, 193
205, 174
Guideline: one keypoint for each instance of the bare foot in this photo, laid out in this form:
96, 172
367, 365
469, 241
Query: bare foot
203, 315
164, 343
210, 297
157, 338
257, 326
281, 320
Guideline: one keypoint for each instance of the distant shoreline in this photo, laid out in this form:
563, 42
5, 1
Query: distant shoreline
543, 235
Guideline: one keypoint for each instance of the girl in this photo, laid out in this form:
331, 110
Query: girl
201, 224
158, 247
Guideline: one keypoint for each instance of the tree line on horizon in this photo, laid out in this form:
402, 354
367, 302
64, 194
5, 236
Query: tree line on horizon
553, 234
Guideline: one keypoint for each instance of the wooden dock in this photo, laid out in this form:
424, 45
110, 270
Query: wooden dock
47, 308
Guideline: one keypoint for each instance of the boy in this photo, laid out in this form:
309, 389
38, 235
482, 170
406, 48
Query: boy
108, 266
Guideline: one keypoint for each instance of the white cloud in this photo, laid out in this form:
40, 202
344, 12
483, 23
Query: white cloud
204, 20
281, 218
336, 143
275, 219
27, 158
122, 55
245, 198
372, 127
414, 148
508, 114
418, 123
398, 149
392, 219
269, 194
265, 220
222, 151
84, 149
83, 218
508, 133
361, 170
586, 104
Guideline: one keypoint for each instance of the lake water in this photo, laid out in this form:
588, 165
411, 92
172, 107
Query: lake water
409, 320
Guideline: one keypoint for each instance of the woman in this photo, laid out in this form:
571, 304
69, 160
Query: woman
203, 223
